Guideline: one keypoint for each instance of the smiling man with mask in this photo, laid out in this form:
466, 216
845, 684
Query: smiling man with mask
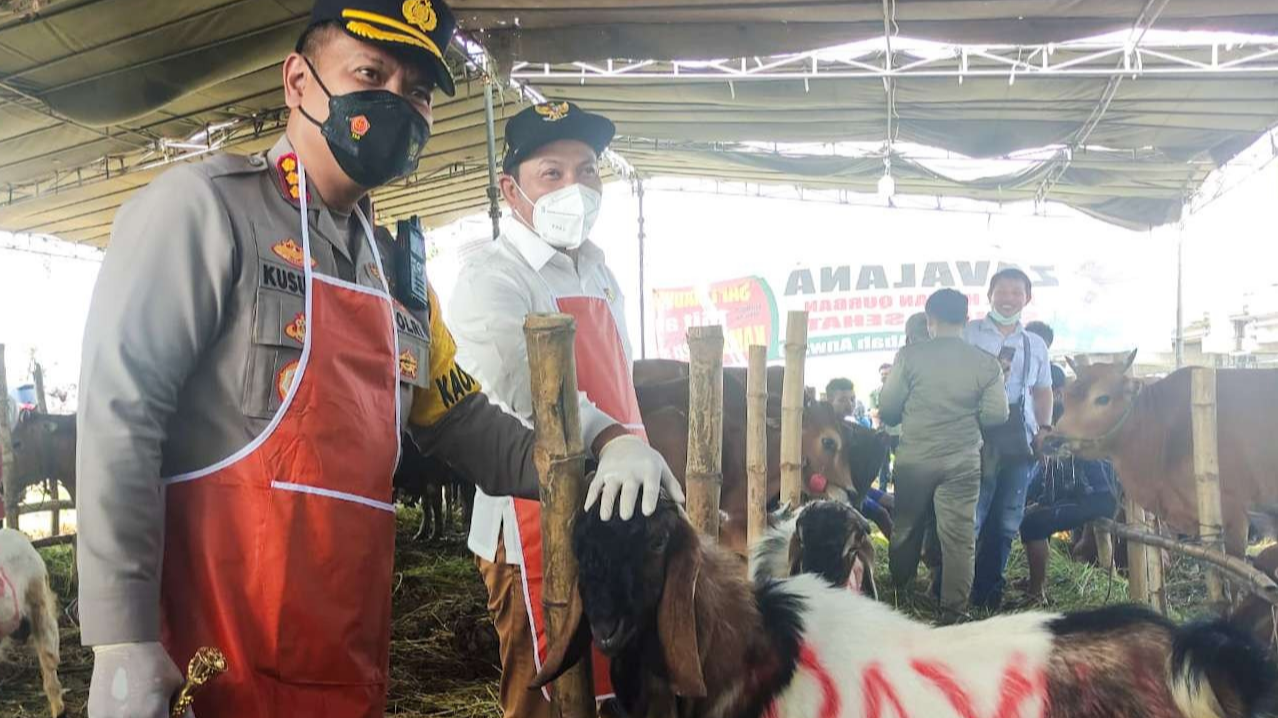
1008, 451
544, 261
247, 372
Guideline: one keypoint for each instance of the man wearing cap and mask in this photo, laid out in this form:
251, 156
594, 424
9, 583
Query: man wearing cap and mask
247, 371
544, 261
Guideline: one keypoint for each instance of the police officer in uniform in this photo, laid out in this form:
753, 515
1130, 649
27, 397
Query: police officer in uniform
247, 370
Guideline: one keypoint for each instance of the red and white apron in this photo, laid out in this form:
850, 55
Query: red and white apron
603, 372
282, 554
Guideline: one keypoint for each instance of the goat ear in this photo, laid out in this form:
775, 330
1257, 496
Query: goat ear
796, 552
570, 645
677, 621
866, 554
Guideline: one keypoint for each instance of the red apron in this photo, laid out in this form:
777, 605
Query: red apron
282, 554
603, 372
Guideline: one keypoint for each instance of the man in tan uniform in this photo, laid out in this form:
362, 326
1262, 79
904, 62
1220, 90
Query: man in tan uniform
244, 344
941, 392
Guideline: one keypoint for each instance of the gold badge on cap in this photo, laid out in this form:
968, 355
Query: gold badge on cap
552, 111
421, 13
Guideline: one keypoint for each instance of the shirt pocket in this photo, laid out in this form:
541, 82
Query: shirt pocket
279, 331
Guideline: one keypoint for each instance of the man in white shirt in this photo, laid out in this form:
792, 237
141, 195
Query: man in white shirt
1008, 455
543, 262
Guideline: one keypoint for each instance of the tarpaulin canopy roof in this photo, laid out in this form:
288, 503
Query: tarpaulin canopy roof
97, 96
542, 31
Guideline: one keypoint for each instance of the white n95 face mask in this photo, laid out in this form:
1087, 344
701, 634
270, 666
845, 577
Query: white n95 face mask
564, 218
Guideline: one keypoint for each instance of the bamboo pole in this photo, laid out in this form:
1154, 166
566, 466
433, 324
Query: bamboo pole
1104, 546
12, 493
757, 445
1137, 563
44, 506
1153, 566
39, 388
796, 340
1207, 469
704, 474
560, 456
1239, 570
55, 518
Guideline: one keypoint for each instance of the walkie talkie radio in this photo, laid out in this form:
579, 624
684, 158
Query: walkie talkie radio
410, 243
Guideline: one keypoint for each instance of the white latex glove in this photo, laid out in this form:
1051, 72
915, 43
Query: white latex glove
628, 465
133, 680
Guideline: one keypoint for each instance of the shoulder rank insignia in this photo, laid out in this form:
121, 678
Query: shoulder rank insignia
285, 379
296, 329
552, 111
408, 365
374, 273
290, 251
610, 295
286, 169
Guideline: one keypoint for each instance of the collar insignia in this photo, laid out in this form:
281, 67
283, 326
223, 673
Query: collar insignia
286, 168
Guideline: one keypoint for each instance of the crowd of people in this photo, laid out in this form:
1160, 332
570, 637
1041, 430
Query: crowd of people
964, 407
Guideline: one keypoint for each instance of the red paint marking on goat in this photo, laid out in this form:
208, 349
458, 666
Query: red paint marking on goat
939, 674
830, 699
876, 688
1016, 688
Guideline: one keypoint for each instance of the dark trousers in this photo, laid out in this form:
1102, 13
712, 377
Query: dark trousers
1041, 522
885, 471
999, 511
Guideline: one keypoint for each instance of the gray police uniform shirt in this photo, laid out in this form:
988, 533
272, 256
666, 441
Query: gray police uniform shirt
941, 392
194, 316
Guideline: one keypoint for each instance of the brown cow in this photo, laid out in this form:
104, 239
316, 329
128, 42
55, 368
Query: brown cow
847, 456
44, 448
1145, 430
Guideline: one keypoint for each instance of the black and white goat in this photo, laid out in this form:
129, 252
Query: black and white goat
685, 631
826, 538
29, 609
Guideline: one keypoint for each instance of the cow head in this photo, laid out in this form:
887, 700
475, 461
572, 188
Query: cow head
826, 448
1097, 404
44, 447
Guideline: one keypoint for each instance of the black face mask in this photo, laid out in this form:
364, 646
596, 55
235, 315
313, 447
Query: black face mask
375, 135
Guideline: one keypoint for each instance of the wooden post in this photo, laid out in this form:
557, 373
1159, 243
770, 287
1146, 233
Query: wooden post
560, 456
796, 346
8, 462
1104, 546
1207, 470
757, 445
1137, 564
41, 404
704, 473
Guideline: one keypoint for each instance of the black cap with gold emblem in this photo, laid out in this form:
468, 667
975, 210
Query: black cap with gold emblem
548, 122
417, 31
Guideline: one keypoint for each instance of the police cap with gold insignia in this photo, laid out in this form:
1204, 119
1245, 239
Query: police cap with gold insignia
415, 31
548, 122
